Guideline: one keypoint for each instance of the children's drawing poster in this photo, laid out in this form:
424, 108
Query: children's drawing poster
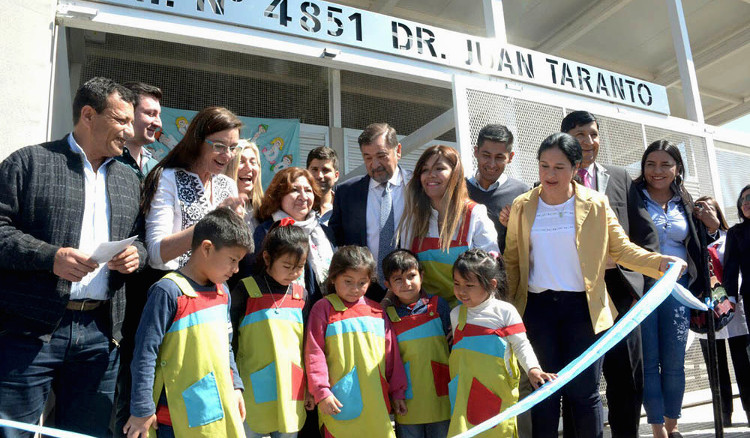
277, 139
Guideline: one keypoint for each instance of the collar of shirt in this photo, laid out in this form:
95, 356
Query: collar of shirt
75, 147
94, 226
592, 174
484, 304
494, 186
676, 199
146, 154
421, 300
396, 180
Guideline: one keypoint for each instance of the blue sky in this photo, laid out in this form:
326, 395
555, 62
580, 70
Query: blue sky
742, 124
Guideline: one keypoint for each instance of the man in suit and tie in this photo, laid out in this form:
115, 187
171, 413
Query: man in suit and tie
367, 209
623, 365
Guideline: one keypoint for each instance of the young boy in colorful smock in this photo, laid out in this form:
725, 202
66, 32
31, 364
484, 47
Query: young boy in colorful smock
422, 324
488, 337
351, 354
185, 381
270, 334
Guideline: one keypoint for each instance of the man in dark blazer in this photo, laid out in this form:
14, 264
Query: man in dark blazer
61, 311
359, 208
623, 365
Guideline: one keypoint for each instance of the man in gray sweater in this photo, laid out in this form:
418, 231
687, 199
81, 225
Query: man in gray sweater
491, 186
60, 310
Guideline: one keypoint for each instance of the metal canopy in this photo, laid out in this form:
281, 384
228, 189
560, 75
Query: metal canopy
627, 36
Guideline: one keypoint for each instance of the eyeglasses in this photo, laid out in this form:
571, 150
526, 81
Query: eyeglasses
221, 148
745, 199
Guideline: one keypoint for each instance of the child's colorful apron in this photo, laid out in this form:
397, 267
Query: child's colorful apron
424, 350
269, 358
192, 366
438, 264
484, 377
355, 355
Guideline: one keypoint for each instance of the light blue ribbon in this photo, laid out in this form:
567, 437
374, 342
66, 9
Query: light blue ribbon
656, 295
47, 431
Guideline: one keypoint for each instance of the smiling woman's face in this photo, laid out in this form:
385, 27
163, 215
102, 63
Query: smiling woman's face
434, 178
247, 171
213, 162
745, 203
659, 170
299, 201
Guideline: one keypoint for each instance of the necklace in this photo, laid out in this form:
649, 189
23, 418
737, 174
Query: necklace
559, 210
277, 306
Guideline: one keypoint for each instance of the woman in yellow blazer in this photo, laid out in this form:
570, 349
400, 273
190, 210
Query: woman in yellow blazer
560, 238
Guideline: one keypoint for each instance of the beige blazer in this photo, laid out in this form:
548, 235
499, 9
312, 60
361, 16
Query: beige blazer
598, 235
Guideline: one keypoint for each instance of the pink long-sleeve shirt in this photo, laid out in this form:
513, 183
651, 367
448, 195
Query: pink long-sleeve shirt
316, 367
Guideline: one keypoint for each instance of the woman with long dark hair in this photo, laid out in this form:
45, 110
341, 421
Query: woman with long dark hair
187, 184
560, 236
737, 258
736, 332
664, 332
440, 221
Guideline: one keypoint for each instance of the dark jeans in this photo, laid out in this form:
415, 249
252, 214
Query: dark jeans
79, 364
137, 288
559, 328
165, 431
741, 370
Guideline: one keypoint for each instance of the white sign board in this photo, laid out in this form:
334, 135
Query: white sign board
340, 24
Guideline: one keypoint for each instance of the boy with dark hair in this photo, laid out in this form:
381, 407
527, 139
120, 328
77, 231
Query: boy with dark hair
491, 187
422, 324
183, 369
146, 129
323, 163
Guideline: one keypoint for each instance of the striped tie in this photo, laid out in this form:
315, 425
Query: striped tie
387, 227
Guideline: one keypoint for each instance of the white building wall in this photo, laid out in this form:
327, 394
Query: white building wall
26, 64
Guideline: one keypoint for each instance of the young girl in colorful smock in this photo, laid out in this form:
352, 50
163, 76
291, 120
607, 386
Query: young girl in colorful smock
488, 337
351, 353
269, 315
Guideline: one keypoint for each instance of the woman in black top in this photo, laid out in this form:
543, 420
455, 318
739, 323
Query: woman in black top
737, 253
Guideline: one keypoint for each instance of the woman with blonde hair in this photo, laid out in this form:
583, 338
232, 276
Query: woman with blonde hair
440, 222
245, 170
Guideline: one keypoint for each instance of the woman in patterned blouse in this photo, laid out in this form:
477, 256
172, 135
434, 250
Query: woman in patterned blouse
187, 184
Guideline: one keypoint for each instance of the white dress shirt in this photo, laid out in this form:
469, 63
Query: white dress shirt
592, 174
374, 197
494, 186
94, 227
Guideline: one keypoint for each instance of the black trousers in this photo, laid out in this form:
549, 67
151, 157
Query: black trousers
623, 371
559, 328
741, 370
